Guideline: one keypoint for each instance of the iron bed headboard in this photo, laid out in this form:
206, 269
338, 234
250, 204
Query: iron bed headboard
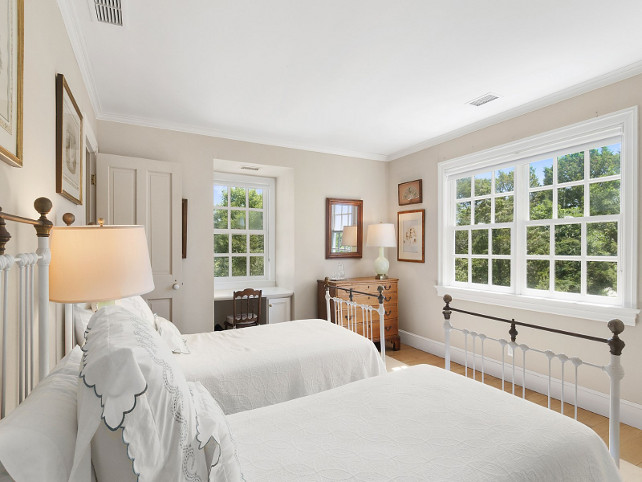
350, 319
26, 263
613, 369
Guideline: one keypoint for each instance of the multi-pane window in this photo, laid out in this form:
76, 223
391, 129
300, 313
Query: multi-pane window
241, 230
550, 218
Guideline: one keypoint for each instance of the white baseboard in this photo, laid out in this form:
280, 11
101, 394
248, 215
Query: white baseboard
597, 402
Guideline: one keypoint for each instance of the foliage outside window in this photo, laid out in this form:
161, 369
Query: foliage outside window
241, 230
558, 225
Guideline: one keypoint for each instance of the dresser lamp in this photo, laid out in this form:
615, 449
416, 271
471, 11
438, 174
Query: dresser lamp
381, 235
98, 263
349, 237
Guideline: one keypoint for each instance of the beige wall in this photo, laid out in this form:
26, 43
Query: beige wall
419, 305
47, 52
305, 180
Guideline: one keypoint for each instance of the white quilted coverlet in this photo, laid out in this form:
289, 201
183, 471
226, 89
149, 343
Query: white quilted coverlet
423, 423
262, 365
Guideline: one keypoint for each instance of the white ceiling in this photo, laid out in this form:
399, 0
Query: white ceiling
368, 78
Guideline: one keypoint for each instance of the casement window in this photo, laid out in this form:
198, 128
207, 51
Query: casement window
243, 228
548, 223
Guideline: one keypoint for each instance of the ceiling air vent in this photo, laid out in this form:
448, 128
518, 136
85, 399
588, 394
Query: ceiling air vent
109, 11
484, 99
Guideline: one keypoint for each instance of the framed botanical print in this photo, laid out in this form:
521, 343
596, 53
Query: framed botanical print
410, 192
412, 238
69, 143
11, 70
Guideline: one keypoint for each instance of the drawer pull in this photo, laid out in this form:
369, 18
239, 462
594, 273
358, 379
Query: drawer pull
388, 328
387, 313
387, 299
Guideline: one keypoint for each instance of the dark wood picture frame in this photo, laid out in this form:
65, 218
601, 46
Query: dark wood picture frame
329, 203
184, 227
410, 192
408, 248
11, 131
69, 143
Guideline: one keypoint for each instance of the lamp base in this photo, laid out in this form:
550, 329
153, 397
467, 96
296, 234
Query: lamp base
381, 276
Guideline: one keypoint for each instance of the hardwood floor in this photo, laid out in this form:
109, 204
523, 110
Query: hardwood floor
630, 438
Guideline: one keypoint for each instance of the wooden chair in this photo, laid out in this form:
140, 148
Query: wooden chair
247, 309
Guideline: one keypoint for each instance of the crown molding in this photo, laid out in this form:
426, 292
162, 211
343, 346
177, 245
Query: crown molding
612, 77
235, 136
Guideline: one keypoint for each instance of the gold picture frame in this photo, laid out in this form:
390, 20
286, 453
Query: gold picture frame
411, 234
11, 80
69, 143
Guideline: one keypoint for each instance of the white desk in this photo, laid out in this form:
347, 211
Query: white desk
277, 303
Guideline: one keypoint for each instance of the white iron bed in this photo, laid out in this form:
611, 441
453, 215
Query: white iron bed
422, 423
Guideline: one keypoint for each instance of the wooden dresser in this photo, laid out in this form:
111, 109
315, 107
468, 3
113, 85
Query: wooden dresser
367, 285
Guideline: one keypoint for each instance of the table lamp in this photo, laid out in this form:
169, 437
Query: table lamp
381, 235
98, 263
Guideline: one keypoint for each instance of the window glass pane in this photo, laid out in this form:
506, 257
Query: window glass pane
570, 202
541, 173
221, 243
568, 240
463, 187
220, 219
501, 272
504, 209
480, 271
461, 270
501, 242
237, 219
256, 220
570, 167
479, 241
462, 216
221, 267
482, 211
461, 242
537, 274
601, 278
605, 161
601, 239
237, 197
568, 276
255, 197
239, 266
220, 195
538, 240
256, 265
256, 243
483, 183
239, 243
505, 180
605, 198
541, 204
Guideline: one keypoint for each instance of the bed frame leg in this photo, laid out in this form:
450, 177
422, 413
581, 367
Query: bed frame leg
616, 373
447, 327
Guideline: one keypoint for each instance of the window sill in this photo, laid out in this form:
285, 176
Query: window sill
586, 311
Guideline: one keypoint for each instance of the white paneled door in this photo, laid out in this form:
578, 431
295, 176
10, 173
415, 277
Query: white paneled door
131, 190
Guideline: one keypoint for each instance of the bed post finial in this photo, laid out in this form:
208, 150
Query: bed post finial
380, 297
616, 326
43, 205
4, 234
68, 219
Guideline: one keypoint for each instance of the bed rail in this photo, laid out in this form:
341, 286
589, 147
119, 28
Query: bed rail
613, 369
358, 317
26, 264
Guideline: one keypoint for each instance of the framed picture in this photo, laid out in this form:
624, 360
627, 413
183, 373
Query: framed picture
410, 192
411, 242
11, 69
69, 143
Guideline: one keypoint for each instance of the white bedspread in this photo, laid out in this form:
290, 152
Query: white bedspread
253, 367
422, 423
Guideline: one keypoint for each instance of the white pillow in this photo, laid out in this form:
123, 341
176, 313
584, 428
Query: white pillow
82, 312
130, 382
139, 307
170, 334
38, 438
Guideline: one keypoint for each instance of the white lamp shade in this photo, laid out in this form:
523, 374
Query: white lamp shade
98, 263
349, 237
382, 235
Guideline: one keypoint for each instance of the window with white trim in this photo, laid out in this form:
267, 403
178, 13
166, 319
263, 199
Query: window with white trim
548, 221
243, 228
